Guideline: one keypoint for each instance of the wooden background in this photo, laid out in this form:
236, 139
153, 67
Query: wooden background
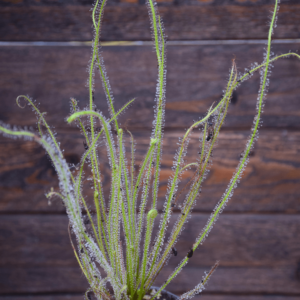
257, 237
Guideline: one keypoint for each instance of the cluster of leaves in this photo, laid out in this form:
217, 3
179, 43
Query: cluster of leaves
128, 271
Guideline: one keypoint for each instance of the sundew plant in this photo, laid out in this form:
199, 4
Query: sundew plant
118, 250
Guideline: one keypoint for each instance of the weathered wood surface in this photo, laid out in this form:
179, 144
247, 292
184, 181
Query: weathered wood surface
67, 296
196, 78
244, 240
270, 183
257, 253
71, 296
204, 296
226, 280
44, 279
212, 20
244, 297
238, 280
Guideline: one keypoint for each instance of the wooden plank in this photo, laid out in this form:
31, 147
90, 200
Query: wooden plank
195, 79
42, 280
52, 297
225, 280
238, 280
130, 22
30, 234
238, 241
244, 297
270, 183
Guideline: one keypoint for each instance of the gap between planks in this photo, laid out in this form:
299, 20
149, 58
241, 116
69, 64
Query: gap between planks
149, 43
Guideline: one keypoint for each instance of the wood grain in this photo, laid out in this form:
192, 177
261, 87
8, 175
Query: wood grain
225, 280
257, 254
240, 241
42, 280
195, 79
270, 182
73, 296
244, 297
130, 22
238, 280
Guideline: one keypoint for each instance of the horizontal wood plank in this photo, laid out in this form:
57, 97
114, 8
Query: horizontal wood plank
240, 241
72, 296
42, 280
195, 79
244, 297
259, 254
225, 280
270, 183
78, 296
130, 22
238, 280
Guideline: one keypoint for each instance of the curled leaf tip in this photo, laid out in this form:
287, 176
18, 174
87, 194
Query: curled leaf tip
18, 101
71, 119
152, 214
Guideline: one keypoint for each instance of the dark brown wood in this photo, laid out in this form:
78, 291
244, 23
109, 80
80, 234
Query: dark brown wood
257, 254
237, 280
195, 79
240, 241
72, 296
22, 236
130, 22
234, 297
42, 280
244, 297
270, 183
225, 280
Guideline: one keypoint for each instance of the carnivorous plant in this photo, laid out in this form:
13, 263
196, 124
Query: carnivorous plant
117, 249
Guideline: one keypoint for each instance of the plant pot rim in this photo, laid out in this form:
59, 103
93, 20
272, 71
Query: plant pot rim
170, 296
